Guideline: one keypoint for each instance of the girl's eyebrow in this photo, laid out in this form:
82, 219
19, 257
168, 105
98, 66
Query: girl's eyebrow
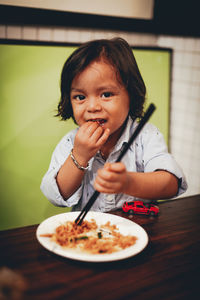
76, 90
107, 87
99, 89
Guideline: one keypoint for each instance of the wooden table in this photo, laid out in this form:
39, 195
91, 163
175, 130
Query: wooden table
168, 268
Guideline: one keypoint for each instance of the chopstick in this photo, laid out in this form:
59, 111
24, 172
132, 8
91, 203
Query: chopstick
94, 196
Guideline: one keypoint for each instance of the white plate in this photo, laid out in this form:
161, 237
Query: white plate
125, 226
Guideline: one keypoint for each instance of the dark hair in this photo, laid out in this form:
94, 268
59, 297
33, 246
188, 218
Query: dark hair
119, 54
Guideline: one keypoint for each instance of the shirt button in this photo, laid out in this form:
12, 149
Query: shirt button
109, 197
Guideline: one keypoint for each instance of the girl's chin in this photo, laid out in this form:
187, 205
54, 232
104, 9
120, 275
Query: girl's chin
116, 134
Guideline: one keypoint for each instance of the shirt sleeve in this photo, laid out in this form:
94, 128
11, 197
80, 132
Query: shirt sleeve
157, 157
49, 185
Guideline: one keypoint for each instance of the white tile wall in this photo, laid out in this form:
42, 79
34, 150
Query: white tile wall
13, 32
3, 31
185, 94
185, 106
29, 33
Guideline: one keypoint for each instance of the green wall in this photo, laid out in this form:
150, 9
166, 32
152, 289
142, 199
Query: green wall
29, 132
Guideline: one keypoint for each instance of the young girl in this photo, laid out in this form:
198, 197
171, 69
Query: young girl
103, 91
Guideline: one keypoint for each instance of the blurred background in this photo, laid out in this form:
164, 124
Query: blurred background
172, 25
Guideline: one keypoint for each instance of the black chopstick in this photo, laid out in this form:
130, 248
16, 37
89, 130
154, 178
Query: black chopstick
91, 201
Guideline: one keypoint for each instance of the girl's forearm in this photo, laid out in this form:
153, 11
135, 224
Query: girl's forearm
152, 185
69, 178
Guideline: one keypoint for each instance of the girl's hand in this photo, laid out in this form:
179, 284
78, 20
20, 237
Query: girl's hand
112, 179
90, 137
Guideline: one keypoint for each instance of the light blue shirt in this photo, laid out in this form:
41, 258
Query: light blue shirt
147, 154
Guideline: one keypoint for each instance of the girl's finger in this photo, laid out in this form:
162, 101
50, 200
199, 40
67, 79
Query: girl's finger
103, 189
103, 138
97, 133
118, 167
91, 127
103, 183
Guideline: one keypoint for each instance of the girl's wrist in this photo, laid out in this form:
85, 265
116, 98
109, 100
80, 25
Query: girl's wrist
80, 164
128, 186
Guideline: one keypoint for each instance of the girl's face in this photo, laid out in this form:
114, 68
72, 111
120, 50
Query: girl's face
97, 95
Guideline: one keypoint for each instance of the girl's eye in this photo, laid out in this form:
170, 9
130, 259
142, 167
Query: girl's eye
106, 94
79, 97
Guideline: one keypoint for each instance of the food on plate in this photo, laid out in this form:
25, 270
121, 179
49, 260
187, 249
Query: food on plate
89, 237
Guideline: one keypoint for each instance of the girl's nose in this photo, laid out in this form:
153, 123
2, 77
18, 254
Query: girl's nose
93, 105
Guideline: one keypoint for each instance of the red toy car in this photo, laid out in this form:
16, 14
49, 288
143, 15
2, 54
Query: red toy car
138, 207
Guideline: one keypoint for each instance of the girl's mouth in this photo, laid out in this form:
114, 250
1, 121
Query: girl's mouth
100, 121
